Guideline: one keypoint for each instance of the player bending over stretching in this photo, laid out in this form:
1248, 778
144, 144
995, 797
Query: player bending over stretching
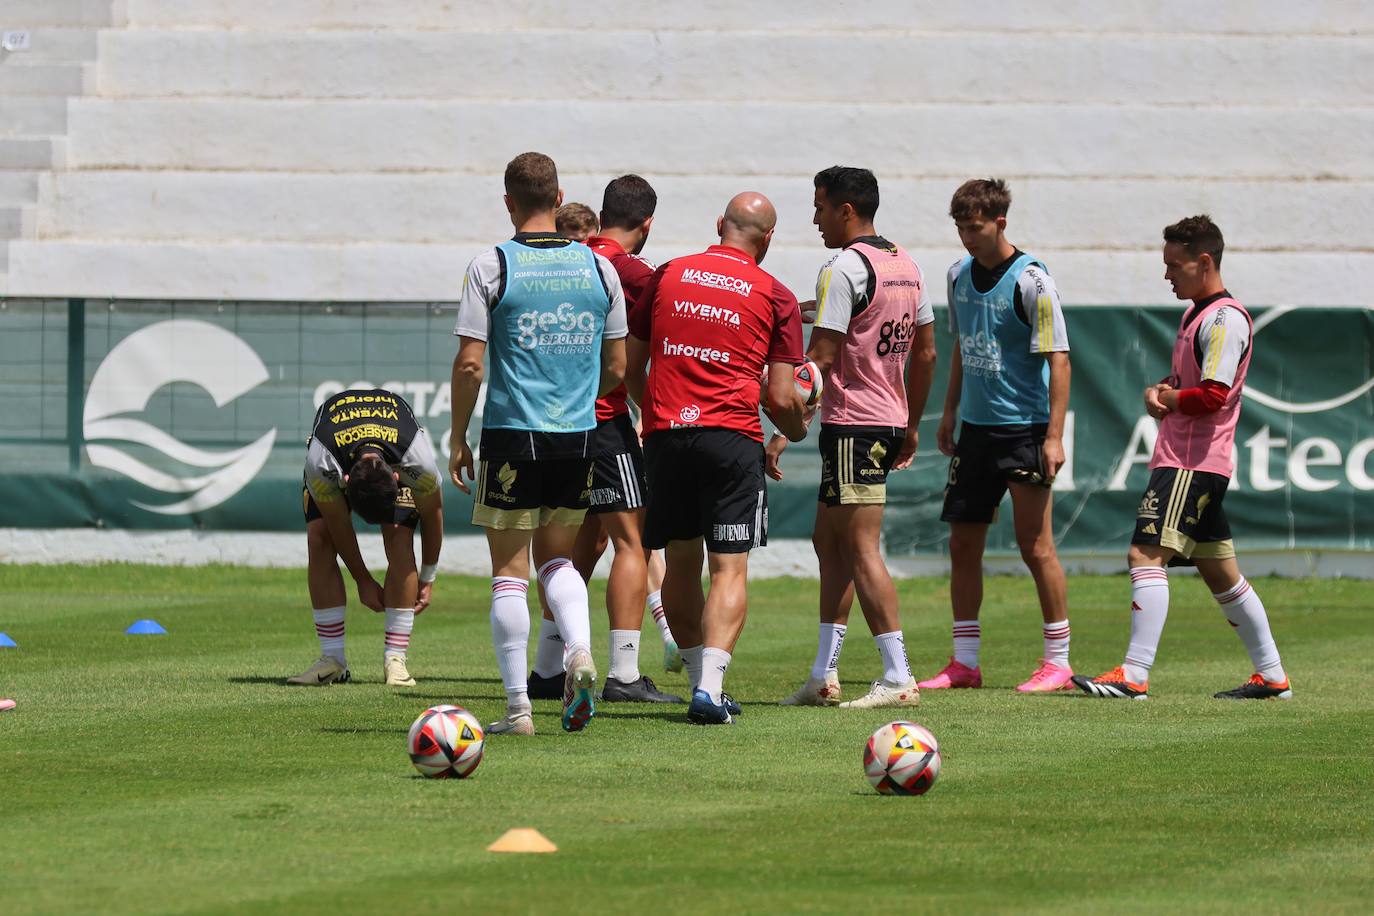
711, 322
551, 315
1009, 390
367, 453
1180, 515
873, 314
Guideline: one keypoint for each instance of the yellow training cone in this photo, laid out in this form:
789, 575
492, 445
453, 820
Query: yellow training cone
522, 839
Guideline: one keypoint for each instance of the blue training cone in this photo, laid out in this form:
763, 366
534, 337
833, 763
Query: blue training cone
7, 643
145, 628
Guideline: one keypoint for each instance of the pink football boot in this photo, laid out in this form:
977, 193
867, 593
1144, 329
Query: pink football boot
1048, 678
955, 675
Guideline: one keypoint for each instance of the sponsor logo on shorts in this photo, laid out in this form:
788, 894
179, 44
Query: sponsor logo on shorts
605, 496
506, 477
705, 354
712, 313
1149, 506
877, 453
724, 533
717, 281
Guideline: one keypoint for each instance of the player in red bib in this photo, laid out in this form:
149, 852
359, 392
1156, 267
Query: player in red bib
1180, 516
711, 323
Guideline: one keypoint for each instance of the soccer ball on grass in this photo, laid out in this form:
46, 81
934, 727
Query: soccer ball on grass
902, 758
446, 742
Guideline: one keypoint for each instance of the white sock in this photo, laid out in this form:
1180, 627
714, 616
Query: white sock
567, 597
548, 653
1056, 637
660, 618
828, 650
1245, 611
329, 627
625, 655
714, 663
691, 660
510, 635
1149, 609
399, 622
892, 648
967, 635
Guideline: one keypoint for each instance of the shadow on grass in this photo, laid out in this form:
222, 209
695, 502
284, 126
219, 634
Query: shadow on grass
279, 680
365, 731
458, 680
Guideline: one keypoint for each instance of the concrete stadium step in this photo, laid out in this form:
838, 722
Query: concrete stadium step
443, 207
393, 272
33, 115
32, 152
675, 65
18, 188
61, 13
53, 45
726, 137
20, 79
16, 222
1262, 16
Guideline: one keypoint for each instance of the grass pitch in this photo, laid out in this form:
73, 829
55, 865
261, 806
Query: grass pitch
176, 774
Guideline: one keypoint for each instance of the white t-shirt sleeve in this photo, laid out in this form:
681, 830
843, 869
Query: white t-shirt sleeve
1222, 343
925, 312
841, 286
617, 325
950, 277
480, 286
323, 476
1044, 312
419, 469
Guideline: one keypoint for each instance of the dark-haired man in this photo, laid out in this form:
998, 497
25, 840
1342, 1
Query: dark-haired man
873, 317
367, 453
551, 316
1009, 392
712, 323
619, 486
1180, 516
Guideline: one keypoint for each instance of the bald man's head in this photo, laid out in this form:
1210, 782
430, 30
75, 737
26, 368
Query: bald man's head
748, 223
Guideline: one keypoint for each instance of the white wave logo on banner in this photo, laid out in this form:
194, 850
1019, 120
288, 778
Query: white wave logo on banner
179, 350
1268, 400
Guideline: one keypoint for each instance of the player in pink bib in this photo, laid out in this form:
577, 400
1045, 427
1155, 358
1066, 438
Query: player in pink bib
873, 317
1180, 518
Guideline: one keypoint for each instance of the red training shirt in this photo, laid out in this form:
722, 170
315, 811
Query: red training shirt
713, 321
635, 274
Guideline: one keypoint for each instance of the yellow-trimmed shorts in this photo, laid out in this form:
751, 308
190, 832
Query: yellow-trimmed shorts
1181, 510
855, 461
525, 494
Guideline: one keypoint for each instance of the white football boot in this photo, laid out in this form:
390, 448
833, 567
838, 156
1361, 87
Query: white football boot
395, 671
884, 694
817, 691
518, 721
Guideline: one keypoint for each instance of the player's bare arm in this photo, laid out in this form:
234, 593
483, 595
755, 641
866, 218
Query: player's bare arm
612, 365
465, 383
431, 510
783, 403
1052, 455
920, 373
823, 349
340, 525
944, 435
636, 367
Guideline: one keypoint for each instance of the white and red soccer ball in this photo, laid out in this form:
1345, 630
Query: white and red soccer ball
446, 742
902, 758
810, 384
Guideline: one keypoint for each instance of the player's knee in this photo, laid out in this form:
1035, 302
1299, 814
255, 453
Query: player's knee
1137, 556
319, 545
1037, 550
964, 549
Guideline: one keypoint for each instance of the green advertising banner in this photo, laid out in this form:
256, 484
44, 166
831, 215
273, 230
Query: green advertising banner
162, 415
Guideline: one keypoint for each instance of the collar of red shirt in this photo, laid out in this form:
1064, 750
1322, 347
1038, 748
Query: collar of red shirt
601, 241
732, 250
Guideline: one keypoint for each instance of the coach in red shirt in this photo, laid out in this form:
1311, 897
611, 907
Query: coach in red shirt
711, 323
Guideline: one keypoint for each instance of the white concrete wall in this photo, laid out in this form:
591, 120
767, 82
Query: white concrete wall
348, 149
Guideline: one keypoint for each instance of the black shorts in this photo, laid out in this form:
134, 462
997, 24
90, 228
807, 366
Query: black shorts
618, 482
405, 508
855, 461
1182, 510
986, 460
526, 494
710, 486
